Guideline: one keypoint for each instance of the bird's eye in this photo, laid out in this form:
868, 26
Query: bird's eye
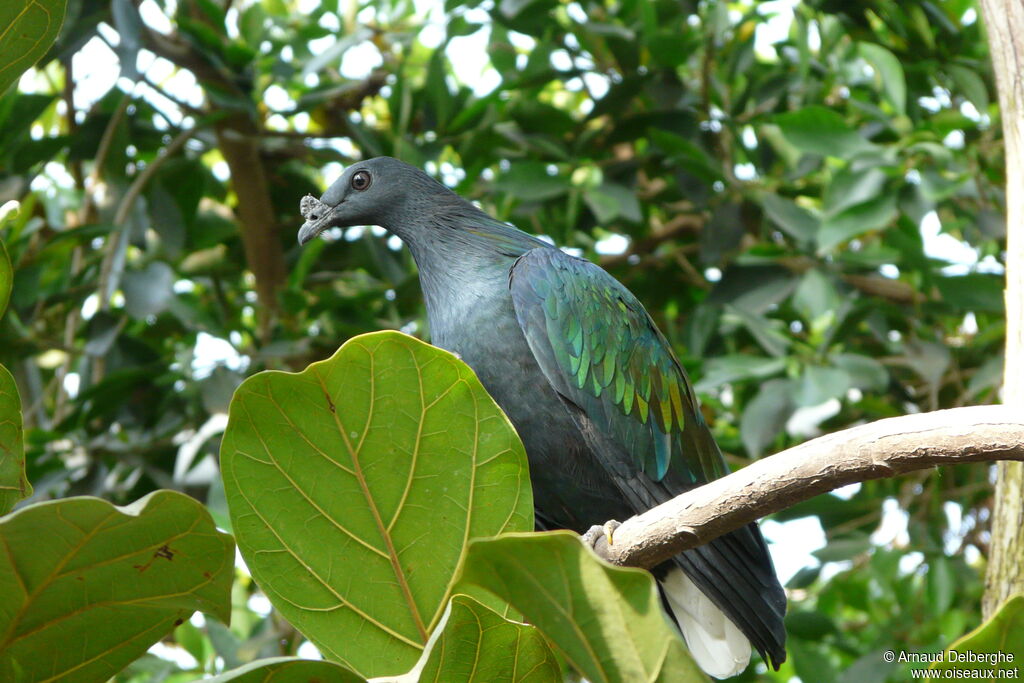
360, 181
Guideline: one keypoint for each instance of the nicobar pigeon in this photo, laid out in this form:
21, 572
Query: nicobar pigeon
609, 420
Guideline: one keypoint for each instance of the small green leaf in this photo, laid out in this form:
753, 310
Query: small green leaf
288, 670
819, 384
110, 580
479, 645
815, 296
856, 220
888, 74
609, 201
973, 292
971, 85
355, 485
766, 415
998, 640
606, 620
29, 29
850, 187
725, 369
843, 549
791, 217
864, 372
14, 485
6, 278
821, 131
528, 181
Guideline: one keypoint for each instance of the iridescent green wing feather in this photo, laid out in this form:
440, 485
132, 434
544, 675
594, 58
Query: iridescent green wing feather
601, 351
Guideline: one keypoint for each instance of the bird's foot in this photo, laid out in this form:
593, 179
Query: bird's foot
599, 531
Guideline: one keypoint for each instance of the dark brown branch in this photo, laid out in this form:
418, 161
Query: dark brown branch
881, 449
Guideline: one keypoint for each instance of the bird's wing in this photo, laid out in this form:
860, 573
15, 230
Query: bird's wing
628, 395
601, 351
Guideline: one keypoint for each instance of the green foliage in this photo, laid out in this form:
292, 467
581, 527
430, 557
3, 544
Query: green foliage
355, 485
478, 644
30, 27
288, 670
607, 621
110, 580
13, 484
769, 187
996, 645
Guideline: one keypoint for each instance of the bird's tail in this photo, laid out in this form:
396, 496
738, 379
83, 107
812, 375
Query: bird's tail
717, 645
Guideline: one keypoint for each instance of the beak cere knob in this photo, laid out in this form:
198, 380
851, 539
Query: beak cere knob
309, 206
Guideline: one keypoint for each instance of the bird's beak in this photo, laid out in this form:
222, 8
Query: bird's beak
319, 217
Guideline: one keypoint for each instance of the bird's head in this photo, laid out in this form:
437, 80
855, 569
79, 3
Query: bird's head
372, 192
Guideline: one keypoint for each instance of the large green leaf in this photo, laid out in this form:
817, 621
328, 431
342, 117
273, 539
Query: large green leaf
6, 277
88, 587
996, 645
888, 74
477, 644
13, 484
819, 130
873, 214
606, 620
27, 30
288, 670
355, 485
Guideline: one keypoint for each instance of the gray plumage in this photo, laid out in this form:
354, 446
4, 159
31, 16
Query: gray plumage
605, 411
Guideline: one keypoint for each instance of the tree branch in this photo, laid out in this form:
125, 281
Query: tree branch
873, 451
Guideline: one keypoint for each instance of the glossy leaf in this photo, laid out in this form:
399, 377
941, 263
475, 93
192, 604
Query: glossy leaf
997, 641
478, 645
888, 74
29, 29
110, 580
607, 621
871, 215
13, 484
288, 670
791, 217
355, 485
820, 131
6, 278
766, 415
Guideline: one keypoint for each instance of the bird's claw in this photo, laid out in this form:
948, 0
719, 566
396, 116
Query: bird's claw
599, 531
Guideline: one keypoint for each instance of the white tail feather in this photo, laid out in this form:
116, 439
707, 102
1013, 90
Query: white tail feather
717, 645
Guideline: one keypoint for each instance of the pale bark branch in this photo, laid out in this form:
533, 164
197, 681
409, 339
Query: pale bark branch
877, 450
1004, 22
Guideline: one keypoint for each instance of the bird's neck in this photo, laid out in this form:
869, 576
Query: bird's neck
463, 256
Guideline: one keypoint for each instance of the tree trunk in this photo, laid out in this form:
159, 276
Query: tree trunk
1004, 20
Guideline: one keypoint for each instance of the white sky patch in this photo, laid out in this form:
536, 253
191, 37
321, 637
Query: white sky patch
154, 17
773, 30
277, 98
360, 60
804, 421
954, 139
308, 651
889, 270
613, 244
712, 274
893, 527
791, 544
847, 492
72, 381
212, 351
259, 604
9, 207
174, 653
944, 247
745, 171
